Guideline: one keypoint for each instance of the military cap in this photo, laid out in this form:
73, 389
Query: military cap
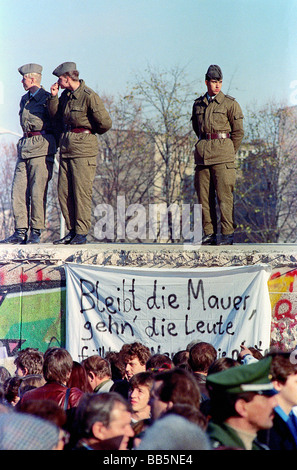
254, 377
214, 73
63, 68
30, 68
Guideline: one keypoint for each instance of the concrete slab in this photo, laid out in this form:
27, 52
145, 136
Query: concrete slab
153, 254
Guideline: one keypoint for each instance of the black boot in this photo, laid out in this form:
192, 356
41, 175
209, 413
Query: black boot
209, 239
65, 240
19, 237
79, 240
227, 239
34, 236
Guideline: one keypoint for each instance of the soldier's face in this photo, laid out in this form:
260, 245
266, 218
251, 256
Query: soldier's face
63, 82
27, 82
213, 86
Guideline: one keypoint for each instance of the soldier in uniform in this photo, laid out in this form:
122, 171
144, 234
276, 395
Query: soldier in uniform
79, 114
217, 120
34, 167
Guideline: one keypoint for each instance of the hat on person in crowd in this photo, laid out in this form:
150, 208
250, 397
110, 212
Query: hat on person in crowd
214, 72
174, 432
30, 68
254, 377
26, 432
63, 68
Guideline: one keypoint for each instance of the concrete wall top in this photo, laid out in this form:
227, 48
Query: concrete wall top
152, 255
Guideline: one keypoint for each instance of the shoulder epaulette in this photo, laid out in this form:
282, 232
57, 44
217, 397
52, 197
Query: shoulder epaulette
87, 90
230, 97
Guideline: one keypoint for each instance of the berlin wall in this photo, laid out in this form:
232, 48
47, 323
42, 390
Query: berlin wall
33, 285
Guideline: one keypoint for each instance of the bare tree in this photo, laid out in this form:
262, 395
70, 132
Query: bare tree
265, 197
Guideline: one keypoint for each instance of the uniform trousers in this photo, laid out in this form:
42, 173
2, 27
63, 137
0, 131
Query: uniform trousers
29, 191
216, 182
75, 187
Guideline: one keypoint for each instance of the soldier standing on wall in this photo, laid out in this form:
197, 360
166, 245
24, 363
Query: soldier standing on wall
34, 167
79, 114
217, 120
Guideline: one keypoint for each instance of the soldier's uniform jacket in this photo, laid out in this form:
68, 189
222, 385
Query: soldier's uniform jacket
222, 115
34, 117
79, 109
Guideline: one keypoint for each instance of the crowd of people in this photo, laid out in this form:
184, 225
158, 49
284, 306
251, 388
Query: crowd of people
136, 400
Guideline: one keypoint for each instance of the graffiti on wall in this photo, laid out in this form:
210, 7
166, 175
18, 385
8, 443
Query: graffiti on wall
283, 294
32, 308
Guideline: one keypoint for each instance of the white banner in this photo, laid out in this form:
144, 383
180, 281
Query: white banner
166, 309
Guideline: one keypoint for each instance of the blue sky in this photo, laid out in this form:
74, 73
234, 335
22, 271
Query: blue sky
254, 42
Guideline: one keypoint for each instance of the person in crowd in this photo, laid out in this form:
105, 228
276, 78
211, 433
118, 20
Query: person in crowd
283, 434
11, 390
99, 375
135, 357
217, 120
4, 374
174, 432
57, 370
201, 356
80, 115
103, 422
159, 362
172, 387
29, 361
180, 359
116, 364
79, 378
242, 403
190, 412
34, 167
21, 431
50, 411
139, 395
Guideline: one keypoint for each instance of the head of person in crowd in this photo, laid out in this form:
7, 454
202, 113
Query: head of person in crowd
29, 361
242, 398
57, 365
11, 390
159, 362
103, 422
139, 395
284, 378
174, 432
116, 364
135, 357
222, 363
21, 431
201, 356
79, 378
49, 411
172, 387
190, 412
4, 374
181, 358
98, 373
29, 382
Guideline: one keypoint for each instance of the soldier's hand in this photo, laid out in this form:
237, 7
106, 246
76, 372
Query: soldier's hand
55, 89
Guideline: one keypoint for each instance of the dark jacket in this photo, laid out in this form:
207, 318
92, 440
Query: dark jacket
34, 117
279, 437
56, 392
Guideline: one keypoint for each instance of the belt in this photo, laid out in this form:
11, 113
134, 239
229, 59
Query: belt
79, 130
218, 135
30, 134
